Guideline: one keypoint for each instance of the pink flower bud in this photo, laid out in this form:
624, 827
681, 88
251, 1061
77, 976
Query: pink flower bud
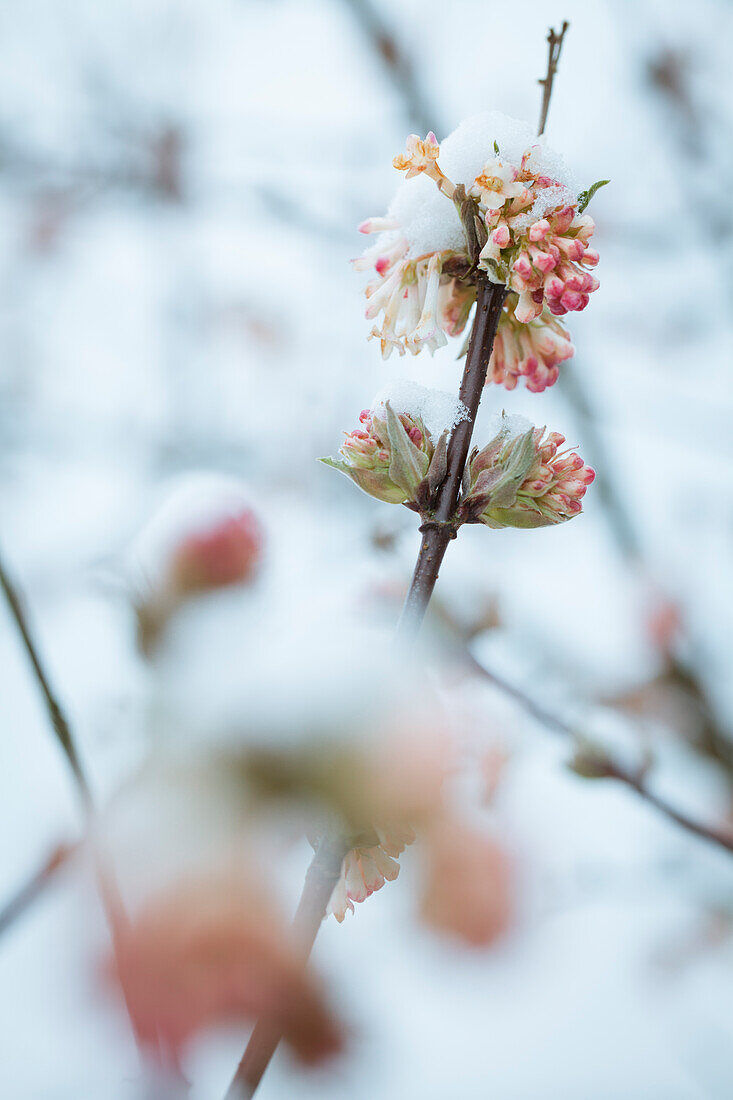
522, 266
501, 236
543, 261
539, 230
387, 457
519, 480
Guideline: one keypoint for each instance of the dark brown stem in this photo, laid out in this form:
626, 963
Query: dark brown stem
636, 780
58, 719
320, 880
554, 43
436, 535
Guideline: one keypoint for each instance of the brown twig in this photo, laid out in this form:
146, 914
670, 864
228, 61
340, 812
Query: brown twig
606, 767
58, 719
437, 534
320, 880
32, 889
554, 44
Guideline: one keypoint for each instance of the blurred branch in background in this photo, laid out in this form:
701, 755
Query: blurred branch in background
397, 63
592, 761
677, 674
152, 166
56, 715
32, 889
106, 882
668, 72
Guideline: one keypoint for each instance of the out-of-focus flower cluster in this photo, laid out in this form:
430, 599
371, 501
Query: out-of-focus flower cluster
522, 479
214, 948
525, 229
357, 752
222, 548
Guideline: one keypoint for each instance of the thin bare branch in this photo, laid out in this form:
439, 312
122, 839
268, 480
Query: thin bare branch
606, 767
554, 44
58, 719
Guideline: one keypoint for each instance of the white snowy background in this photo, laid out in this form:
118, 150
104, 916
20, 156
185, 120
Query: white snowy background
180, 183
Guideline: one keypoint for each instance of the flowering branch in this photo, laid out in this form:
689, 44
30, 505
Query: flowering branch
58, 719
437, 529
554, 42
421, 113
320, 880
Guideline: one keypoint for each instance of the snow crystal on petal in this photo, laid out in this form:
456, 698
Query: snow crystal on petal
549, 198
514, 424
437, 409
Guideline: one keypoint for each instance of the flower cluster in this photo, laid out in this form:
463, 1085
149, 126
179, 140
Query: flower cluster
537, 244
532, 351
367, 868
412, 295
388, 456
522, 479
533, 238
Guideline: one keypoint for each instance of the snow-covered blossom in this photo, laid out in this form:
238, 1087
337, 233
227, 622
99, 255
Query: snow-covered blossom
534, 239
388, 456
497, 183
203, 538
545, 258
522, 479
532, 351
226, 552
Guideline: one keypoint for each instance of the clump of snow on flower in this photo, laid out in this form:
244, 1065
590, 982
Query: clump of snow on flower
437, 409
512, 425
193, 504
429, 220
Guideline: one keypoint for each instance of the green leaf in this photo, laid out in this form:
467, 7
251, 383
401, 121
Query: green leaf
585, 196
496, 148
335, 463
408, 465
